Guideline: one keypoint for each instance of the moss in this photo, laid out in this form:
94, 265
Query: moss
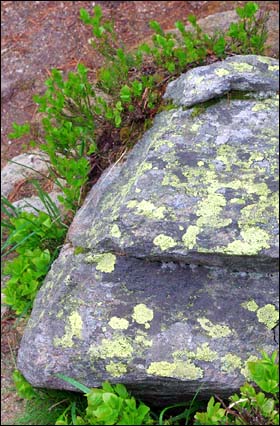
164, 242
105, 262
118, 323
142, 315
251, 305
268, 315
215, 331
231, 362
189, 238
115, 231
221, 72
72, 328
119, 346
179, 369
79, 250
116, 369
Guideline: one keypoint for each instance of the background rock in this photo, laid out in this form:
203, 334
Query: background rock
29, 166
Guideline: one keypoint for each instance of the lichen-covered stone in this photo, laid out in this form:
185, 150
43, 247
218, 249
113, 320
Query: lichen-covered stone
162, 329
246, 73
199, 188
169, 277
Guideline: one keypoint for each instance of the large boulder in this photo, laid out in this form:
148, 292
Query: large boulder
168, 279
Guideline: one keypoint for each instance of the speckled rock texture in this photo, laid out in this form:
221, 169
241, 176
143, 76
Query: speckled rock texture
168, 280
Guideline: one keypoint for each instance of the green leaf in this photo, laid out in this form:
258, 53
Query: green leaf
19, 130
98, 11
24, 389
84, 15
92, 148
192, 19
74, 383
125, 94
248, 11
155, 26
181, 27
219, 46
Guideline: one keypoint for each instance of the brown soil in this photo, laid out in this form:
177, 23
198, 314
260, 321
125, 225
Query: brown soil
38, 36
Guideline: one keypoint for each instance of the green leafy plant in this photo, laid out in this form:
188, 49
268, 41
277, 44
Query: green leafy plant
108, 406
251, 406
248, 36
35, 239
44, 407
23, 387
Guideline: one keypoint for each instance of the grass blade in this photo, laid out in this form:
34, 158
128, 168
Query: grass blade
73, 382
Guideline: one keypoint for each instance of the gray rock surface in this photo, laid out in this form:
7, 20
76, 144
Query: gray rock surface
245, 73
34, 204
28, 166
168, 279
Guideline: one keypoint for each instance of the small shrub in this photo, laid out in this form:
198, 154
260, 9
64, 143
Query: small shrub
250, 407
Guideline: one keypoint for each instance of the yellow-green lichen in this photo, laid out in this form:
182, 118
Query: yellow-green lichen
115, 231
195, 127
260, 106
215, 331
209, 210
180, 369
118, 323
164, 242
147, 208
237, 201
142, 340
253, 241
105, 262
116, 369
189, 238
161, 368
242, 66
142, 315
187, 370
119, 346
268, 315
230, 362
221, 72
204, 353
251, 305
273, 67
72, 328
200, 163
264, 59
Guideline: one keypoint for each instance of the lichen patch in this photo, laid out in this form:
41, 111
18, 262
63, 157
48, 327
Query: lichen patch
142, 314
